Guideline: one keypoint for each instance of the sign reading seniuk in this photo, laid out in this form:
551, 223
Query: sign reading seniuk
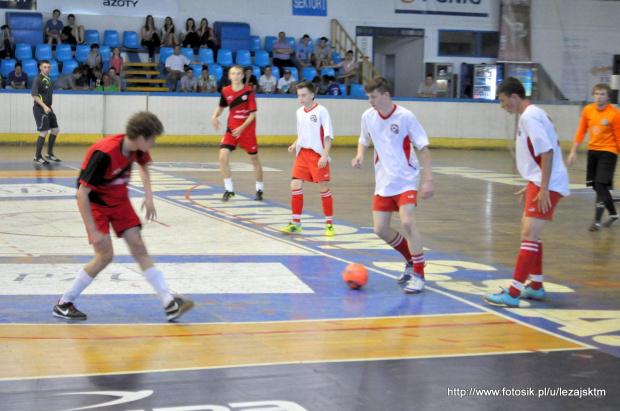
18, 4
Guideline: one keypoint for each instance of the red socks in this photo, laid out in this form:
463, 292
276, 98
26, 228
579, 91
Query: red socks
328, 206
297, 205
529, 258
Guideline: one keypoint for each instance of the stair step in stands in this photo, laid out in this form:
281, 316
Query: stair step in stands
144, 77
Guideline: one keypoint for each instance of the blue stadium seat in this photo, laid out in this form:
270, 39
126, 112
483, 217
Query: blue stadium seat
63, 52
294, 72
110, 38
164, 53
197, 69
26, 27
81, 52
130, 40
105, 52
269, 40
6, 66
291, 41
256, 72
68, 66
91, 36
216, 70
275, 71
30, 67
54, 72
43, 52
327, 71
336, 58
206, 56
189, 53
224, 58
357, 90
261, 58
23, 51
308, 73
343, 89
255, 43
243, 58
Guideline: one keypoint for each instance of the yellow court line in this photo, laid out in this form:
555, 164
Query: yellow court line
32, 351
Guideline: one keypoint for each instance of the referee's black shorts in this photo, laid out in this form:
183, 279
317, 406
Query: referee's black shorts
601, 168
44, 121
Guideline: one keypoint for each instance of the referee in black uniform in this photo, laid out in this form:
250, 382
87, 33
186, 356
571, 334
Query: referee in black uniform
43, 114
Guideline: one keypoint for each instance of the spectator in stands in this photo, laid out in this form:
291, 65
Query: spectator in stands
83, 82
316, 81
106, 84
322, 90
249, 79
333, 89
96, 79
150, 38
6, 43
72, 33
303, 53
428, 88
189, 36
282, 52
175, 65
189, 83
349, 68
94, 59
225, 80
207, 83
267, 83
115, 79
322, 54
53, 28
116, 60
69, 81
17, 79
287, 84
207, 37
169, 37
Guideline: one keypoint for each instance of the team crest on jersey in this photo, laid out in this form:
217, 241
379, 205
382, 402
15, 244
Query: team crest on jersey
605, 122
313, 118
394, 128
229, 98
244, 97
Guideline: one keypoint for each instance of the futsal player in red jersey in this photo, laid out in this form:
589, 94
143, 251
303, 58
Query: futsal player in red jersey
241, 130
103, 200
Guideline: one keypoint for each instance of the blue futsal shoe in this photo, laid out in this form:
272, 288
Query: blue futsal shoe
502, 299
531, 294
406, 275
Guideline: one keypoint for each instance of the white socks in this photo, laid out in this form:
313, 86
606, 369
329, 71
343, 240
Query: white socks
157, 281
82, 280
228, 184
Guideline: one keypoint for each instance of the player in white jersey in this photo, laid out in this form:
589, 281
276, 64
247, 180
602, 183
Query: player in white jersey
539, 160
393, 130
314, 140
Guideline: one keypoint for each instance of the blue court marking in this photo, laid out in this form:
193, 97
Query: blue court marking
322, 273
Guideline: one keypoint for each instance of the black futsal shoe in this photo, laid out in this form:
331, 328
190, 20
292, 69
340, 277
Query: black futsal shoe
227, 195
259, 195
41, 161
177, 307
68, 311
52, 158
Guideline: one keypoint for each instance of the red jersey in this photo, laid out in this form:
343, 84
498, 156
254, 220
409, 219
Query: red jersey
106, 171
241, 103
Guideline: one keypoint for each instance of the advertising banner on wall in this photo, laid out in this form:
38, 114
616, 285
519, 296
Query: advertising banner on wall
18, 4
515, 31
469, 8
310, 8
134, 8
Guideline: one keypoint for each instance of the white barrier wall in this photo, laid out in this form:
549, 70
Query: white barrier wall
96, 113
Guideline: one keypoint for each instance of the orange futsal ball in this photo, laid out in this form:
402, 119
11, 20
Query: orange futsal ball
355, 275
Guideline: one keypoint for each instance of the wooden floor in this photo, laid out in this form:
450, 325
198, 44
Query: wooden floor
274, 325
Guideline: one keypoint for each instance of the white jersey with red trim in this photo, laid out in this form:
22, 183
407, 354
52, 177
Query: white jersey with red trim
396, 166
537, 135
313, 126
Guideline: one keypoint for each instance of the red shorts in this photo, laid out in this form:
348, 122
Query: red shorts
247, 141
393, 203
531, 207
306, 167
122, 217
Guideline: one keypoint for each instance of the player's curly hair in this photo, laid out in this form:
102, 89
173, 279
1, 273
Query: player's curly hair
380, 84
145, 124
511, 86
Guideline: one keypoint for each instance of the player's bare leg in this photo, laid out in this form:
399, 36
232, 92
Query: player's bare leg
258, 176
225, 173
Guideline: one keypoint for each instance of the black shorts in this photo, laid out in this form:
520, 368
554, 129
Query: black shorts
44, 121
601, 168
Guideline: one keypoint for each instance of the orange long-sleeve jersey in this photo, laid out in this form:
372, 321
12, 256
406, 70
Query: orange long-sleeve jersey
603, 126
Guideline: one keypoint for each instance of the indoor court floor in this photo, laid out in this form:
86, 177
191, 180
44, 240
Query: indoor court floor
274, 326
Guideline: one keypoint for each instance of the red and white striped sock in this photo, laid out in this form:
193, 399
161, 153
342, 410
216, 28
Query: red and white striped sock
418, 264
536, 278
328, 206
297, 205
528, 255
399, 243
